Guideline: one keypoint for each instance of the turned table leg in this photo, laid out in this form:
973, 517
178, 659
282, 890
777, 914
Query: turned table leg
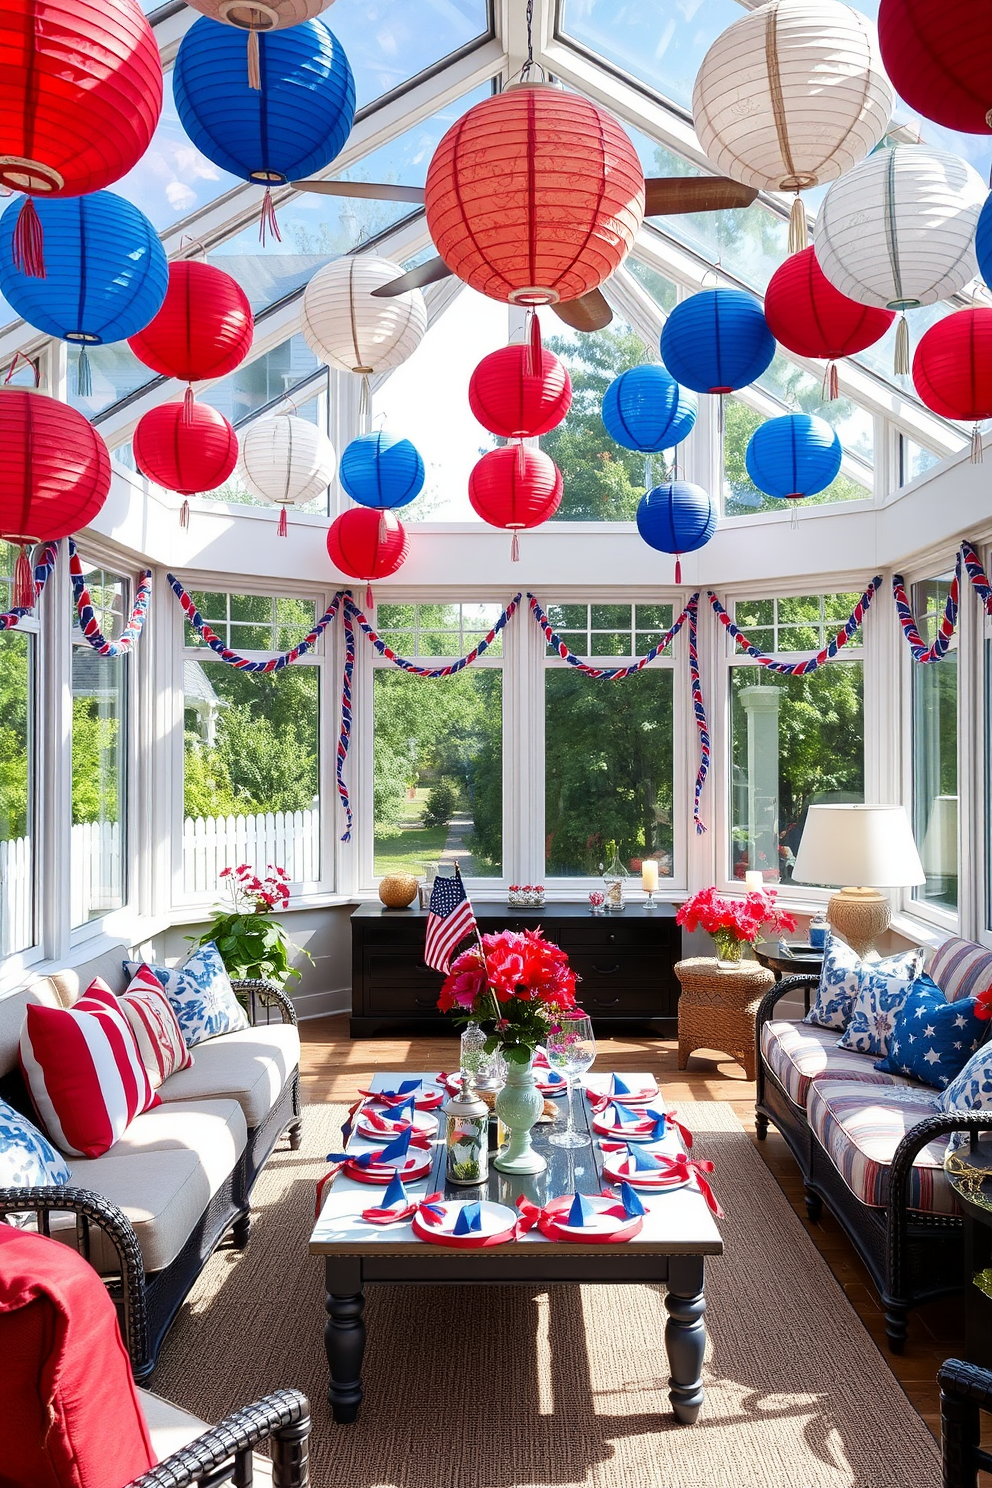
685, 1336
344, 1341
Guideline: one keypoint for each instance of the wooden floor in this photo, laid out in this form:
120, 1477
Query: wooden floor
334, 1066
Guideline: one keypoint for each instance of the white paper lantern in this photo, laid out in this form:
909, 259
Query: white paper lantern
287, 460
350, 330
791, 96
261, 15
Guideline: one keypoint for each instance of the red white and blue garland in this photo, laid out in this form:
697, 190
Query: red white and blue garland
609, 674
812, 663
699, 712
354, 613
47, 560
923, 653
274, 663
344, 737
87, 615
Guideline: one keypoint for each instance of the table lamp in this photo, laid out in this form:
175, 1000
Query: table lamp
868, 846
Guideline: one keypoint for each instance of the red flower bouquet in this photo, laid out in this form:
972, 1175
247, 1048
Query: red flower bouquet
513, 987
734, 922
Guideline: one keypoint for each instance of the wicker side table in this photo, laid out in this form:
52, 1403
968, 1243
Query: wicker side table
717, 1008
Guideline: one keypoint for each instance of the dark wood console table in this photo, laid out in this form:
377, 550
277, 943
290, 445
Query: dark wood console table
625, 961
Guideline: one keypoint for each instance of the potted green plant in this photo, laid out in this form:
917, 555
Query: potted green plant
252, 944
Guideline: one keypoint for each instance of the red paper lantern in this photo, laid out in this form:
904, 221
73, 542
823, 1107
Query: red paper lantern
535, 195
185, 454
509, 399
54, 475
938, 55
204, 328
367, 544
81, 96
515, 487
808, 316
952, 369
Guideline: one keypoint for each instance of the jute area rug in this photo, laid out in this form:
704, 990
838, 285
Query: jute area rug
495, 1387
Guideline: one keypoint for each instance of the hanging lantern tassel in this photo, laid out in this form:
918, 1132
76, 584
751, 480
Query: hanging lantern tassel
254, 71
977, 452
515, 548
369, 600
383, 528
28, 245
794, 503
184, 514
831, 388
283, 529
189, 402
267, 221
521, 460
798, 236
84, 379
365, 406
533, 344
678, 568
901, 361
23, 588
647, 473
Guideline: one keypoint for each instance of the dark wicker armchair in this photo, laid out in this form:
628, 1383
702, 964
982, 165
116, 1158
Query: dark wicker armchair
224, 1452
965, 1391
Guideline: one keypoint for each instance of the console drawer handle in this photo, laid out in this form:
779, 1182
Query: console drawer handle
422, 966
601, 1002
425, 1002
605, 970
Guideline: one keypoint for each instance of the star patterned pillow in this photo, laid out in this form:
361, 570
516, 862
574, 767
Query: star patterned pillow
840, 980
933, 1039
881, 995
971, 1090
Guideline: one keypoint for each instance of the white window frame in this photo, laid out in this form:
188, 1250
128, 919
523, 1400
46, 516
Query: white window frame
20, 960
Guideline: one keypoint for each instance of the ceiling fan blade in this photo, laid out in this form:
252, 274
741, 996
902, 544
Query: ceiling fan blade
430, 272
590, 312
369, 190
667, 196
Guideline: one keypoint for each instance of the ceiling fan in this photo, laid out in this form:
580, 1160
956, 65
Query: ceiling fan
665, 196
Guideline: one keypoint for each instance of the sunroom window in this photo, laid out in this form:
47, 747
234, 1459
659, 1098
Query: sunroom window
934, 750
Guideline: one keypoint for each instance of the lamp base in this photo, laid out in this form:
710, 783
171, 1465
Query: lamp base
860, 916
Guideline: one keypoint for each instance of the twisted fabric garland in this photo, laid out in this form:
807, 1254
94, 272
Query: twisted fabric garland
976, 573
87, 614
699, 712
274, 663
344, 737
921, 652
610, 674
354, 613
812, 663
42, 573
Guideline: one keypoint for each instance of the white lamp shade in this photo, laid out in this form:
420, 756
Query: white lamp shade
348, 329
261, 15
858, 847
792, 94
287, 460
899, 230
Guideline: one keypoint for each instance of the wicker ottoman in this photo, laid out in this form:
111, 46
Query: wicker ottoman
717, 1008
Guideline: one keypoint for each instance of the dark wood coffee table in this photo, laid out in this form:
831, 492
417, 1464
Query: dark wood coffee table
678, 1233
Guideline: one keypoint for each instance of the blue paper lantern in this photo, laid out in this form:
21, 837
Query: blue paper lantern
106, 271
983, 241
382, 471
716, 341
795, 455
290, 127
676, 518
645, 409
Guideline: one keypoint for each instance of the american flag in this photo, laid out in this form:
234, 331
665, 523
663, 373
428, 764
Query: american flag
449, 921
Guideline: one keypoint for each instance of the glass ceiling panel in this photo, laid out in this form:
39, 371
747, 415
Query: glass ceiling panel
388, 42
254, 384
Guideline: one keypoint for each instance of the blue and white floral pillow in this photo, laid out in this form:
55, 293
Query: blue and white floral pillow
971, 1090
841, 975
201, 995
883, 991
27, 1159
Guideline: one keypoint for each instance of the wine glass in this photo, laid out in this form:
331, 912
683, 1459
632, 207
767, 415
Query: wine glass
572, 1048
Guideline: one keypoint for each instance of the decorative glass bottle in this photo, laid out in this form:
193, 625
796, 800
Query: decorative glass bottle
466, 1135
614, 880
488, 1071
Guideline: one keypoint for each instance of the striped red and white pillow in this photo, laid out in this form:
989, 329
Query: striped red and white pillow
84, 1071
155, 1027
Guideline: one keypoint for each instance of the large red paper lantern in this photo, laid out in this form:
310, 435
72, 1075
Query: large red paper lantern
938, 54
367, 544
535, 195
952, 370
81, 96
512, 400
185, 453
515, 487
54, 475
808, 316
204, 328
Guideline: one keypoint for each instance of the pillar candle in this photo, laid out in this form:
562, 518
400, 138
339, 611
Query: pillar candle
649, 875
754, 881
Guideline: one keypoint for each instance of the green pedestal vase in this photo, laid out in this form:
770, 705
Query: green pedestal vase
518, 1106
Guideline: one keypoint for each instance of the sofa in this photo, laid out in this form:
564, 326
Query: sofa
871, 1145
150, 1211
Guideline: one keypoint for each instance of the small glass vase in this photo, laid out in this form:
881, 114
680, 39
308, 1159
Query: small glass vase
488, 1070
729, 950
518, 1106
615, 878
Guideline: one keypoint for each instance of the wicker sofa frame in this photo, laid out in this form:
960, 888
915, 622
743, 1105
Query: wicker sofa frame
223, 1453
911, 1257
147, 1303
965, 1391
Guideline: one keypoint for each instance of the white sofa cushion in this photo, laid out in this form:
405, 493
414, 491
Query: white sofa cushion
799, 1053
162, 1174
251, 1067
172, 1428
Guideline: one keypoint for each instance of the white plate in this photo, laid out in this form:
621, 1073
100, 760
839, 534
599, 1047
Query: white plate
423, 1121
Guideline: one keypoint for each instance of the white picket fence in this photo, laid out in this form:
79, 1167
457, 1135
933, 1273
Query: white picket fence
15, 895
96, 882
290, 839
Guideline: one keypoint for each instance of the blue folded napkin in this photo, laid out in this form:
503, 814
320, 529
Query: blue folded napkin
660, 1122
632, 1205
581, 1211
554, 1078
404, 1112
398, 1147
395, 1196
623, 1117
643, 1161
469, 1219
617, 1087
